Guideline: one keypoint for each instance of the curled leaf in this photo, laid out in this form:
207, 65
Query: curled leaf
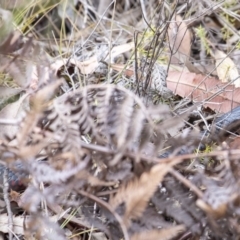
6, 26
226, 68
179, 38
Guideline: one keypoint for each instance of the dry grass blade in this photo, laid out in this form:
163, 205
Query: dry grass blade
164, 234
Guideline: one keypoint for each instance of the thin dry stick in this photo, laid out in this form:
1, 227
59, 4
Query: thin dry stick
71, 218
6, 199
110, 45
108, 207
186, 182
9, 121
98, 148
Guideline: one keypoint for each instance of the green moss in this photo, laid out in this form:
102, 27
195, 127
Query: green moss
202, 34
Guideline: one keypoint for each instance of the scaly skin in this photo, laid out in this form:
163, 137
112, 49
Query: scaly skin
16, 178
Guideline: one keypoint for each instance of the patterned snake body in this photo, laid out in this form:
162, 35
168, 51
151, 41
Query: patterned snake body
16, 177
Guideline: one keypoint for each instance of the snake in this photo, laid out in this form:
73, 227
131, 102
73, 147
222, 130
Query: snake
16, 177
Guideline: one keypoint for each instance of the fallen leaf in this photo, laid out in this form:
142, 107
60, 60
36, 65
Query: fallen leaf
163, 234
117, 50
85, 67
208, 91
226, 68
235, 144
12, 111
180, 38
88, 66
120, 67
18, 224
6, 25
7, 92
12, 43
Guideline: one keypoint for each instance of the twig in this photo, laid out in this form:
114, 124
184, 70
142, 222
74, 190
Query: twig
9, 121
186, 182
8, 206
110, 45
109, 208
234, 153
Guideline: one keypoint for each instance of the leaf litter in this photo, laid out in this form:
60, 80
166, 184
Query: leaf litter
100, 146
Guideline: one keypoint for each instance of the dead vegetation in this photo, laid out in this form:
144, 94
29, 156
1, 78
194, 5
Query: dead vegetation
93, 128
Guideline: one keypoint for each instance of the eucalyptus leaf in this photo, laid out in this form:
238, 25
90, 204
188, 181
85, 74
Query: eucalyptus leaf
8, 95
6, 92
6, 25
12, 111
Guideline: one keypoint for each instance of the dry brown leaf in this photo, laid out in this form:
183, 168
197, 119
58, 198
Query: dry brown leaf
94, 181
198, 88
22, 72
14, 196
12, 111
179, 38
235, 144
120, 67
18, 227
7, 92
117, 50
43, 96
163, 234
12, 43
137, 192
88, 66
226, 68
202, 89
6, 25
56, 65
25, 72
